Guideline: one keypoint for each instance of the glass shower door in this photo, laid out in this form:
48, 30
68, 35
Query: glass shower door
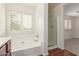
52, 30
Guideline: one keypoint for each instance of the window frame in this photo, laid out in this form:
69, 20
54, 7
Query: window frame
22, 22
68, 27
22, 30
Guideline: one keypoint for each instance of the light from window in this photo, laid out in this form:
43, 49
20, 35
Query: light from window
15, 22
20, 22
67, 24
27, 21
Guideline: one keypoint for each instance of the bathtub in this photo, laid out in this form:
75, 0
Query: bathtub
26, 48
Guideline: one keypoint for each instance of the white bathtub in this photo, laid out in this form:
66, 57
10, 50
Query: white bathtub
26, 48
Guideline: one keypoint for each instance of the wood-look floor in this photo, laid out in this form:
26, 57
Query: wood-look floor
59, 52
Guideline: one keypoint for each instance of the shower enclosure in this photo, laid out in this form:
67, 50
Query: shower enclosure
52, 30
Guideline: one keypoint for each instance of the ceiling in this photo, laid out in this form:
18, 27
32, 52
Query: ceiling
52, 5
71, 9
26, 4
30, 4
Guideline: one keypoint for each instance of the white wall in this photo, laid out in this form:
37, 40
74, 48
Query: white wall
42, 28
19, 7
2, 19
68, 34
58, 12
45, 41
76, 30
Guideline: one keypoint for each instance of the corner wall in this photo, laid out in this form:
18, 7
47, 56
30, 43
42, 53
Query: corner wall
76, 29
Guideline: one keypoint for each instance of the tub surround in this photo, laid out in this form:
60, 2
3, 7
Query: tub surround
26, 48
5, 46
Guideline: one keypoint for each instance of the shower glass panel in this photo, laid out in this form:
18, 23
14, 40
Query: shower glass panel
52, 30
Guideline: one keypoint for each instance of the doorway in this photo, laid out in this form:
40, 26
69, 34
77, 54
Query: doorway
71, 27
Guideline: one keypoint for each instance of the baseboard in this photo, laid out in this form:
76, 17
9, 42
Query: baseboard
45, 54
52, 47
72, 38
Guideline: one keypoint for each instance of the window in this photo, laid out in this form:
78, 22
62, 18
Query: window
27, 21
20, 22
67, 24
15, 22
